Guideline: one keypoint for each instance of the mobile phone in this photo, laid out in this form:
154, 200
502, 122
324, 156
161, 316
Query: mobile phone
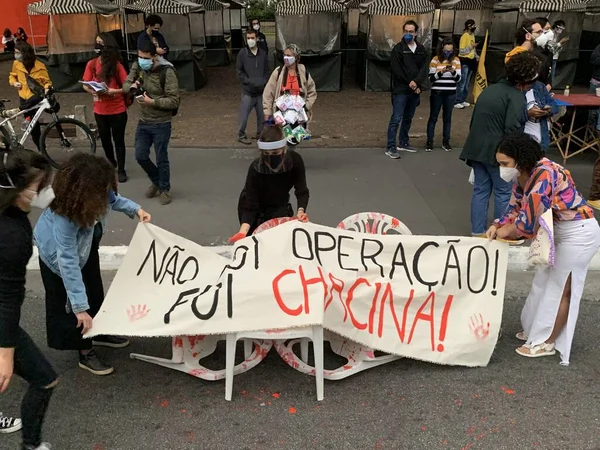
449, 67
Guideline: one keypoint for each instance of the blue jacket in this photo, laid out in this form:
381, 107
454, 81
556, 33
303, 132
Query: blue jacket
65, 247
543, 98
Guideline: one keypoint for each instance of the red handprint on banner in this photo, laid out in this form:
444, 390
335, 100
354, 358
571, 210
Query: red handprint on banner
480, 329
137, 312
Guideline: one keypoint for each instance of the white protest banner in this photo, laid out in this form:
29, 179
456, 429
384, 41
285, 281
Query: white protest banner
432, 298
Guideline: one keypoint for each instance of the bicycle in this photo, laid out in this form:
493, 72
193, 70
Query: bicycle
54, 143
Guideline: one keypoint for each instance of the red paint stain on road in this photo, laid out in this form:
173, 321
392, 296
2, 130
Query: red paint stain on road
507, 391
99, 447
424, 428
379, 444
468, 446
444, 442
471, 430
183, 411
190, 436
275, 395
292, 410
475, 395
164, 403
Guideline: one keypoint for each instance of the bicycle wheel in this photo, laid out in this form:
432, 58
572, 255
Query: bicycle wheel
65, 137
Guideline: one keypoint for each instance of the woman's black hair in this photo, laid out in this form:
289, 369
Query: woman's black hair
20, 168
28, 54
523, 148
109, 57
522, 68
440, 49
7, 32
468, 24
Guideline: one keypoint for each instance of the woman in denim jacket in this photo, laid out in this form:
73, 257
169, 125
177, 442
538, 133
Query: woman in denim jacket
541, 106
68, 235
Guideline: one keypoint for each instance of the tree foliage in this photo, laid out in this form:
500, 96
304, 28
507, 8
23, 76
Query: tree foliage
262, 10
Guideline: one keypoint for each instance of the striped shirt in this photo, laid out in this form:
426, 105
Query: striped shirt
444, 81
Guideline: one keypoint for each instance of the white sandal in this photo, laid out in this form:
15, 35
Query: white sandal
536, 351
521, 336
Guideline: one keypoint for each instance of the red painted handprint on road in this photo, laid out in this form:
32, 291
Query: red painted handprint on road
479, 328
137, 312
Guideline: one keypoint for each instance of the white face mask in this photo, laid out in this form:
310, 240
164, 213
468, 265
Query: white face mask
251, 43
289, 60
42, 199
509, 174
256, 27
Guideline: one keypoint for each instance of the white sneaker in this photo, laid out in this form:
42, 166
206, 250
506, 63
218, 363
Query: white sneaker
10, 424
459, 106
466, 104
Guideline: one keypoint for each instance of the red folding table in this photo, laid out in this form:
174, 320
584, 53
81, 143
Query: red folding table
580, 103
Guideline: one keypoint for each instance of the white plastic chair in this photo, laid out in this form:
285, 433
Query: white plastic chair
188, 351
314, 333
301, 334
359, 357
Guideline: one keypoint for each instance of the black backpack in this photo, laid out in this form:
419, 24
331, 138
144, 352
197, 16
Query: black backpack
163, 80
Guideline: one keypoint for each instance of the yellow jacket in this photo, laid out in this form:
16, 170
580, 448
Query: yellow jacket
513, 52
18, 74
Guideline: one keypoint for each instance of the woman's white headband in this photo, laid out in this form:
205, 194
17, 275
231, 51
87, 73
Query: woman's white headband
272, 145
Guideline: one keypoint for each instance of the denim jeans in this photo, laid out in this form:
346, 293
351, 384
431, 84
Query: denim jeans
487, 179
463, 85
248, 104
158, 134
553, 74
437, 101
403, 110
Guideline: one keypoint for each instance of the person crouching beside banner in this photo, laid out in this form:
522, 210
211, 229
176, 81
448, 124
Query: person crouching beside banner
266, 194
68, 235
551, 309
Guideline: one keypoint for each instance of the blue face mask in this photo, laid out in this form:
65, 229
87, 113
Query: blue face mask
448, 55
145, 64
408, 37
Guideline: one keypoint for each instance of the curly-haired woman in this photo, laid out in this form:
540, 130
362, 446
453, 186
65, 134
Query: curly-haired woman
110, 110
500, 109
24, 183
30, 77
68, 236
551, 309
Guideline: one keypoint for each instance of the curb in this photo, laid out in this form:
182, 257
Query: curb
112, 257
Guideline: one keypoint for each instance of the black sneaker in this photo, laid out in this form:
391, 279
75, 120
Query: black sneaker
429, 147
122, 176
93, 364
9, 424
110, 341
447, 147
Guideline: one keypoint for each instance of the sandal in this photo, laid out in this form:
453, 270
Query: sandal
521, 336
536, 351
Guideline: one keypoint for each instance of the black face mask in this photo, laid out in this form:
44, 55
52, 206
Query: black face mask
155, 33
98, 48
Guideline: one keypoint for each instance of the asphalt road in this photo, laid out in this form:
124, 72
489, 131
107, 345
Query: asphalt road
429, 192
514, 403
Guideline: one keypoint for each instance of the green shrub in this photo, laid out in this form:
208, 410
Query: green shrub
262, 10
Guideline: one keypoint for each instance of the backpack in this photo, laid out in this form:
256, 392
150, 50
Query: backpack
128, 97
163, 80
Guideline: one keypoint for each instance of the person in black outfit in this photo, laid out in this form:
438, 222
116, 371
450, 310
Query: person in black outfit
152, 34
260, 36
410, 68
24, 183
266, 194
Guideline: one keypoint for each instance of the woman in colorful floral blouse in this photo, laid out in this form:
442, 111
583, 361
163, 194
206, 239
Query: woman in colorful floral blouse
550, 312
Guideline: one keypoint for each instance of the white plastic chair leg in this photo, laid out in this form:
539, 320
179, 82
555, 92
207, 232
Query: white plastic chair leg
248, 348
231, 342
304, 350
319, 361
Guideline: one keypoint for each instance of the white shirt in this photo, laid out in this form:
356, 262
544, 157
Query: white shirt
412, 46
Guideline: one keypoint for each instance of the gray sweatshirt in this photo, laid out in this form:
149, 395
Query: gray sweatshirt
253, 71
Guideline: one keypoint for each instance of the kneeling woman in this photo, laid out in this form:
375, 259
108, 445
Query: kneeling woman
68, 236
271, 176
551, 309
